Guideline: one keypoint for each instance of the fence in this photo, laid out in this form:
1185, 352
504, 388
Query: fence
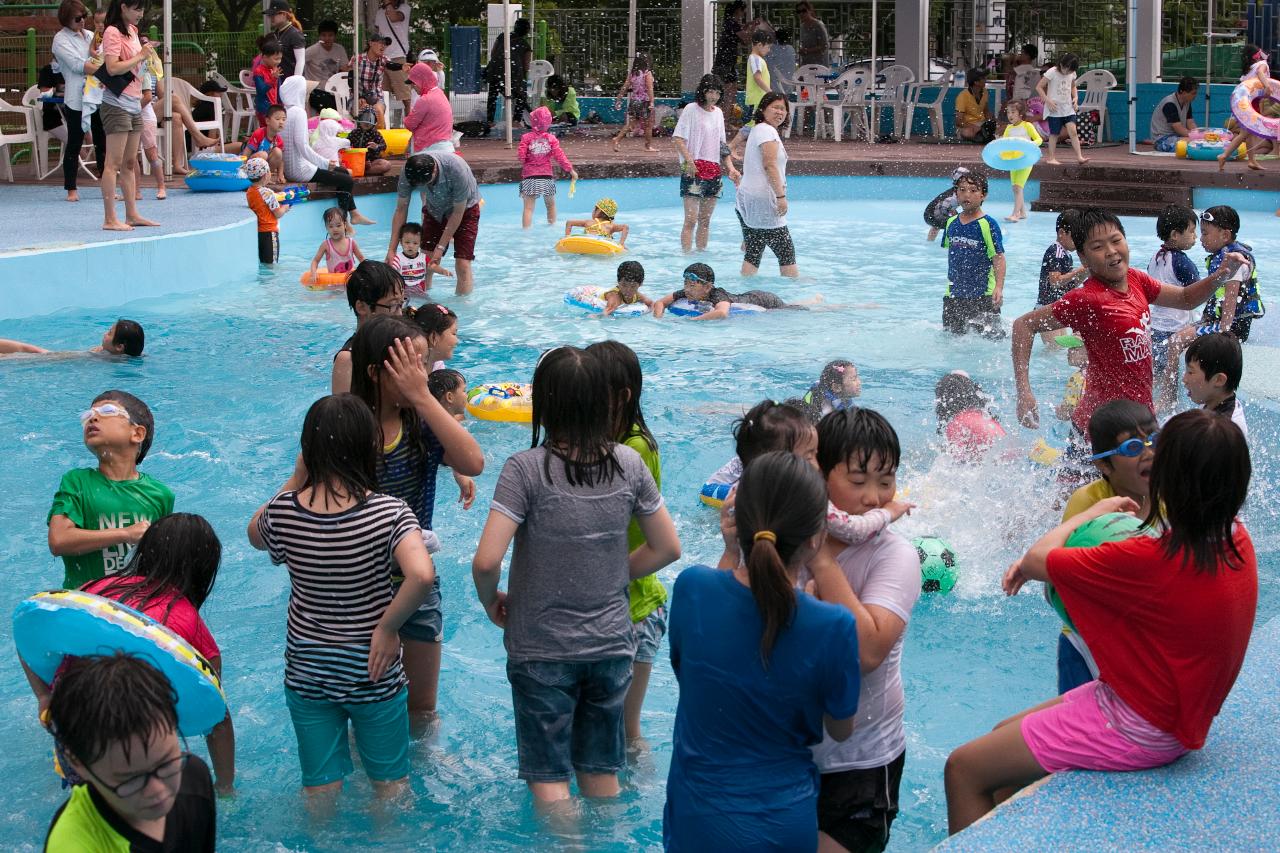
589, 47
848, 27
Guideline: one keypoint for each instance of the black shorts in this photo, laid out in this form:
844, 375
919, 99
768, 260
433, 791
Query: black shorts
977, 314
268, 247
777, 239
857, 807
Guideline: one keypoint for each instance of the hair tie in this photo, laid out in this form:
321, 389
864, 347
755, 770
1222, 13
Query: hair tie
766, 535
1260, 55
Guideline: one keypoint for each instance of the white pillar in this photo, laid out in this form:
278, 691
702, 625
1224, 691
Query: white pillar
696, 26
166, 111
911, 35
1148, 37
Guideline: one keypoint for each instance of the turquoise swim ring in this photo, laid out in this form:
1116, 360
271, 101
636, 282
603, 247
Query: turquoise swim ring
1010, 154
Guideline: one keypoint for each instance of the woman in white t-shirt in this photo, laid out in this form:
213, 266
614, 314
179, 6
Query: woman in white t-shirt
704, 160
762, 192
1058, 89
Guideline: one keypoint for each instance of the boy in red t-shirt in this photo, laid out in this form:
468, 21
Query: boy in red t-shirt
1167, 617
266, 143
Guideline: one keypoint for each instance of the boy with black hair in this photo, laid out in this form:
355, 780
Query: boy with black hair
115, 719
627, 290
758, 69
1215, 364
373, 288
97, 513
1236, 303
1176, 228
1058, 272
125, 337
266, 143
975, 264
858, 453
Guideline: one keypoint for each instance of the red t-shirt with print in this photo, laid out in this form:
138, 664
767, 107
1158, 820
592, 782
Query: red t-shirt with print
1116, 330
173, 611
1168, 639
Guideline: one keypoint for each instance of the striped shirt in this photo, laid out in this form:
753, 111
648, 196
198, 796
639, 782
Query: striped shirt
407, 470
340, 570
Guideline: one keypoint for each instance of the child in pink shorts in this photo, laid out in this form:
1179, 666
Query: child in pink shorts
1166, 615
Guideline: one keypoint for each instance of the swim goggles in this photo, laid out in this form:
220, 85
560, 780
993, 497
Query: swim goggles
106, 410
1130, 448
693, 276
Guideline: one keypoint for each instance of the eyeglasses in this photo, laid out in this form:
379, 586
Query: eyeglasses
1131, 448
106, 410
394, 306
135, 784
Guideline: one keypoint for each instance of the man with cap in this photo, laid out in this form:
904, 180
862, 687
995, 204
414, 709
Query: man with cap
370, 68
392, 23
432, 59
289, 32
450, 211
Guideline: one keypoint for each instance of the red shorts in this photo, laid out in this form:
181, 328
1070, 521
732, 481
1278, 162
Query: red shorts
464, 239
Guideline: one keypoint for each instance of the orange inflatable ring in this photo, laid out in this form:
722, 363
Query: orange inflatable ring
323, 279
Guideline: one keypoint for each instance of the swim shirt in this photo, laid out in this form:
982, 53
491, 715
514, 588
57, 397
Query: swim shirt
86, 822
262, 201
407, 470
1172, 266
258, 141
970, 270
170, 609
412, 270
1056, 260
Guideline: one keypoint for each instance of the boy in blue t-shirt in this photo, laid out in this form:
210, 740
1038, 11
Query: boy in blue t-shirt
975, 264
1176, 228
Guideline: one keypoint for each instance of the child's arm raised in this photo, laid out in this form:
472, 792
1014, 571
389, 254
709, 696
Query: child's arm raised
404, 367
486, 566
1186, 298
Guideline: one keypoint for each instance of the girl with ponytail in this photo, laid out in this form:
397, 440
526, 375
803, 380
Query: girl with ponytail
761, 666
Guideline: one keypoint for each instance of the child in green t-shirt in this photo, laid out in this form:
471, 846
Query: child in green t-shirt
98, 513
647, 594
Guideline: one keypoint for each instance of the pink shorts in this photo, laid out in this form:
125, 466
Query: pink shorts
1076, 735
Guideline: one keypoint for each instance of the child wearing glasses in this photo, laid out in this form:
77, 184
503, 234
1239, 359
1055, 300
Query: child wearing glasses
99, 513
116, 720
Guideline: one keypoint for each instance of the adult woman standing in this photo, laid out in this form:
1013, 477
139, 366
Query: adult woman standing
760, 665
71, 47
121, 111
762, 193
700, 139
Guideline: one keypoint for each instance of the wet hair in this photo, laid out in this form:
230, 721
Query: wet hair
102, 700
419, 169
769, 426
1090, 220
1174, 218
853, 436
762, 36
275, 109
769, 99
1188, 84
433, 319
68, 10
832, 376
571, 403
1019, 105
1115, 418
1199, 480
269, 45
1248, 55
1218, 353
115, 14
444, 380
334, 215
340, 446
631, 271
708, 83
955, 393
781, 494
178, 553
129, 336
369, 348
409, 228
640, 63
626, 381
1068, 62
704, 272
557, 88
1224, 216
139, 415
1066, 219
371, 282
327, 27
977, 180
1031, 51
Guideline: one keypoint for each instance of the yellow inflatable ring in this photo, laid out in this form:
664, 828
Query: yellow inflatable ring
501, 401
323, 279
586, 244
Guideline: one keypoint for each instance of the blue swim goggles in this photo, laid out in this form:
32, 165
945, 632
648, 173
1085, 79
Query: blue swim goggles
1130, 448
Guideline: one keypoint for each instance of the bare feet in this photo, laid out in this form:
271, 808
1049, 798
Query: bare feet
143, 223
181, 170
137, 196
1253, 164
616, 146
1082, 160
161, 195
116, 225
1222, 162
358, 218
651, 149
1054, 162
74, 195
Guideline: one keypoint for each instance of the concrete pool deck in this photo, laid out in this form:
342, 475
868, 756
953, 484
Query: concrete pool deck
1222, 797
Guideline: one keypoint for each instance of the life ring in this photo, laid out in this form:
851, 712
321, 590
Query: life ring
48, 626
1205, 143
587, 244
216, 164
1010, 153
501, 401
685, 308
323, 279
590, 297
714, 494
1246, 98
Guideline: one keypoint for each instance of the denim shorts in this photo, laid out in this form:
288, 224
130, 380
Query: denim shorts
648, 633
426, 625
569, 716
382, 737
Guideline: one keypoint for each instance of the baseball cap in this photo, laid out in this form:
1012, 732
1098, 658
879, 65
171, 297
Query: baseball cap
278, 6
428, 55
367, 116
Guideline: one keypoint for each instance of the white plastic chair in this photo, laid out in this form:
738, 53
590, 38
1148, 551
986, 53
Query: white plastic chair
238, 107
8, 113
810, 95
893, 95
246, 78
1096, 84
31, 100
932, 107
851, 104
338, 86
182, 89
539, 71
392, 110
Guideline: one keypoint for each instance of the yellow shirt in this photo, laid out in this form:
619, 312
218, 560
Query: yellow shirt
969, 110
1086, 496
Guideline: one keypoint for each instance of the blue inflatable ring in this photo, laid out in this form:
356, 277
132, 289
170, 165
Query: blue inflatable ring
590, 297
48, 626
685, 308
1011, 154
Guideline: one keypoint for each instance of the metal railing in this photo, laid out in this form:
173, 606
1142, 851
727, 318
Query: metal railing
588, 47
1184, 25
848, 27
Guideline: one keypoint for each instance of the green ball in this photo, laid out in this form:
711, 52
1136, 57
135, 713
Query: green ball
938, 566
1112, 527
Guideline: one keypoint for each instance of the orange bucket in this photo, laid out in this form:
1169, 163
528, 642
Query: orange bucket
353, 159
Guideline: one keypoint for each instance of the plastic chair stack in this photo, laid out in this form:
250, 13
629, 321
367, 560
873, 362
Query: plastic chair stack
933, 106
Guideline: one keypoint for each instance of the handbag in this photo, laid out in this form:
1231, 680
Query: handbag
1087, 128
115, 83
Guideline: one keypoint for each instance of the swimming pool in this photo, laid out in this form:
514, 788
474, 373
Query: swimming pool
231, 370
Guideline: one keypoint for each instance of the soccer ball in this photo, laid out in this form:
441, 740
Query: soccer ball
938, 570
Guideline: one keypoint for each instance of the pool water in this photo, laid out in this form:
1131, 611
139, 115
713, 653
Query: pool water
229, 373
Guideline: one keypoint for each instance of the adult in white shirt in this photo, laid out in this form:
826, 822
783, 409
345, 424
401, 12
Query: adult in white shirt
71, 50
704, 160
392, 22
326, 57
762, 192
859, 453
